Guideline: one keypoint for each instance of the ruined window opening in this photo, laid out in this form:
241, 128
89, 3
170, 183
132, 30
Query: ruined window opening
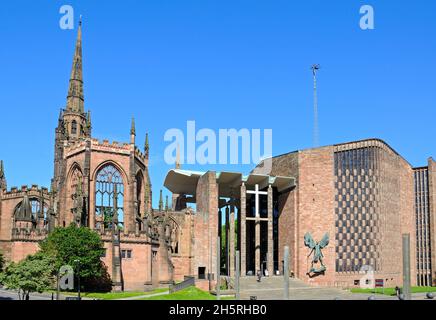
74, 127
109, 186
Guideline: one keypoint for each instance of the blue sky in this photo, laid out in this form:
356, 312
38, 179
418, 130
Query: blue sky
224, 64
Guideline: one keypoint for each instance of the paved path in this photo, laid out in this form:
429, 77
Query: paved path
268, 289
13, 295
272, 288
145, 296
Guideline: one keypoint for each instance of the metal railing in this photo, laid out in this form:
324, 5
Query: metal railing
188, 282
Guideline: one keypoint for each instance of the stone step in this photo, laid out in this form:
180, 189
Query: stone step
272, 288
248, 283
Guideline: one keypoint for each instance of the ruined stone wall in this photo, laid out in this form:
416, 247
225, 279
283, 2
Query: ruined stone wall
104, 153
27, 243
183, 258
21, 249
206, 225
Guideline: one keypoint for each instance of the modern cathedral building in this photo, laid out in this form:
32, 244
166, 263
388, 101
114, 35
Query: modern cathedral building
347, 204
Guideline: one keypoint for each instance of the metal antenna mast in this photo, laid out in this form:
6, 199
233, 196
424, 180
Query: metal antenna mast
315, 69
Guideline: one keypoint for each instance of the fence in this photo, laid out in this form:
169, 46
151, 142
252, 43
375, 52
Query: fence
188, 282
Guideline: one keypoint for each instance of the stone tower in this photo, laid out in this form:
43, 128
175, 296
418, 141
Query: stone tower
74, 125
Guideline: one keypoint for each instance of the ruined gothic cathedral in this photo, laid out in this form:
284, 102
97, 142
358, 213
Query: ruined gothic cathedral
104, 186
354, 200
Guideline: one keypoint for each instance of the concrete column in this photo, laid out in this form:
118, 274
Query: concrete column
270, 255
257, 246
406, 267
237, 275
257, 261
243, 228
218, 269
227, 243
220, 225
232, 242
286, 273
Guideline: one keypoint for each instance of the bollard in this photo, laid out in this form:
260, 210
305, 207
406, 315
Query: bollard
286, 272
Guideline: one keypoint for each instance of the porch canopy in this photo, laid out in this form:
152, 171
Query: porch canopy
185, 182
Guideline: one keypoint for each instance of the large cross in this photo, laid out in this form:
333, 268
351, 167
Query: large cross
257, 220
257, 194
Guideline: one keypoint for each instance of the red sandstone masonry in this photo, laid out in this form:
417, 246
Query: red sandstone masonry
206, 225
316, 195
183, 260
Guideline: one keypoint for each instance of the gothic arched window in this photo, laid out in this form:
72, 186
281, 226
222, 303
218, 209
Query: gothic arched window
35, 206
109, 196
74, 127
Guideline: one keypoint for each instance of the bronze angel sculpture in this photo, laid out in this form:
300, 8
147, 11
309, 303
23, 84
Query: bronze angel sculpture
316, 250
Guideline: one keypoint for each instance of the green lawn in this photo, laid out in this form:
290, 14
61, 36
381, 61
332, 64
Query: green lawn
113, 295
391, 291
191, 293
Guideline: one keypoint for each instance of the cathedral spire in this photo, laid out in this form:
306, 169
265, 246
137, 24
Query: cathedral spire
178, 166
75, 98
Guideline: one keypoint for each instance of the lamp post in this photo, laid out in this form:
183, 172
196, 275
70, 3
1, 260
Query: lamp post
77, 261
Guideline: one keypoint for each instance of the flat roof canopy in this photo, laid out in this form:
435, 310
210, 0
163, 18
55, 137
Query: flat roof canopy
185, 182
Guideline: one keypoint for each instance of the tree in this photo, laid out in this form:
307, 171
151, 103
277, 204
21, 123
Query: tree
33, 274
73, 245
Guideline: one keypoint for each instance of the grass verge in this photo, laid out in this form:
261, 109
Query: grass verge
113, 295
191, 293
391, 291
